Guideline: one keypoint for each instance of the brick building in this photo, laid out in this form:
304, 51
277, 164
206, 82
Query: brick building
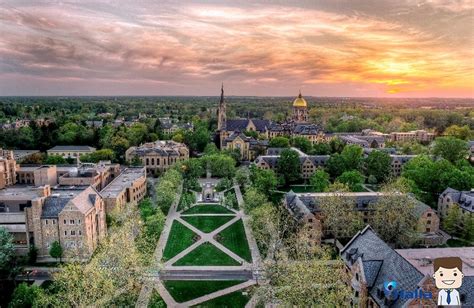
7, 168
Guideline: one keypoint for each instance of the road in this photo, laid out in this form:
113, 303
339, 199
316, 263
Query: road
205, 275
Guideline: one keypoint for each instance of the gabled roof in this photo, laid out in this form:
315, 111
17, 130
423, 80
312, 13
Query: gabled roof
83, 198
465, 199
367, 247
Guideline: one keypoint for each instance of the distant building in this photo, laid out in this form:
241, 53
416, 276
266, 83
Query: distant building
95, 124
7, 168
305, 207
294, 126
398, 161
416, 135
127, 188
371, 263
452, 197
248, 147
96, 175
374, 142
170, 128
22, 154
308, 163
71, 151
158, 156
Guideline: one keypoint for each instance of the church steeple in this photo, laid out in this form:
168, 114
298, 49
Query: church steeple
221, 112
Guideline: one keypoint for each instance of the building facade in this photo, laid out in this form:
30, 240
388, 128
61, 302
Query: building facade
307, 206
127, 188
70, 151
158, 156
7, 168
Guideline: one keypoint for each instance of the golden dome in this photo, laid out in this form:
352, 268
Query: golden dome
300, 101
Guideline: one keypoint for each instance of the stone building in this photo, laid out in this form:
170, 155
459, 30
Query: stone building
7, 168
307, 205
71, 151
371, 264
398, 161
300, 110
127, 188
308, 163
97, 175
158, 156
295, 126
415, 135
451, 197
248, 147
75, 217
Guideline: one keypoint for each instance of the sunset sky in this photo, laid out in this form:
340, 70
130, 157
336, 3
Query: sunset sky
400, 48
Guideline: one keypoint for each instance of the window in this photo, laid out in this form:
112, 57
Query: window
71, 221
357, 276
80, 232
65, 222
54, 222
65, 232
46, 222
73, 232
79, 222
428, 215
428, 222
356, 294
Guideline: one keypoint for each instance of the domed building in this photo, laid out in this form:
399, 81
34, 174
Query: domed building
300, 110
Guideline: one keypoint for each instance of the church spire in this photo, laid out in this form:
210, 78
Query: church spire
221, 112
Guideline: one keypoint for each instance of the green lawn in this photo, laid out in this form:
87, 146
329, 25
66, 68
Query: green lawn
231, 300
156, 301
186, 290
208, 209
207, 223
233, 238
204, 255
179, 239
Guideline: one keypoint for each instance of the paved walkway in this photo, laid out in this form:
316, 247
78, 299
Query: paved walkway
148, 285
170, 272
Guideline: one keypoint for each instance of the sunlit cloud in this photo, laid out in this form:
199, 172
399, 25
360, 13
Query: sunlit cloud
191, 48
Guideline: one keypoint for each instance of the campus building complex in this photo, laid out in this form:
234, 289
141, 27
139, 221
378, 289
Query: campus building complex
68, 206
305, 207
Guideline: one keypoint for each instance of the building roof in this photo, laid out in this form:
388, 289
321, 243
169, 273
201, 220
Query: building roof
363, 200
383, 264
160, 147
306, 129
123, 181
19, 192
72, 148
465, 199
82, 197
422, 258
242, 124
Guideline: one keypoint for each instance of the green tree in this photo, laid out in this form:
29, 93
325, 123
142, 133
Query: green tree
321, 148
460, 132
450, 148
56, 251
336, 165
95, 157
220, 165
337, 145
6, 248
394, 217
178, 137
301, 143
279, 142
288, 166
452, 221
468, 223
253, 199
354, 179
54, 160
353, 157
320, 180
378, 164
263, 180
24, 296
242, 176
